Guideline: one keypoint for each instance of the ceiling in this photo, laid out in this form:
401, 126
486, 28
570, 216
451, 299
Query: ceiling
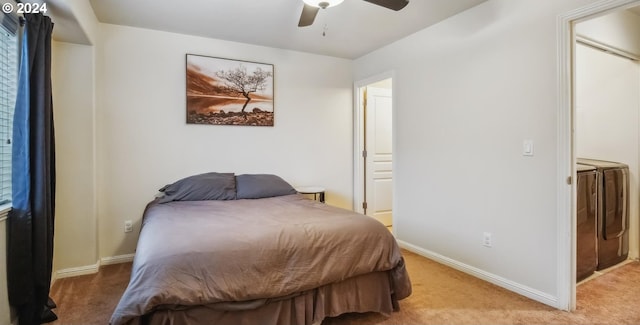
351, 29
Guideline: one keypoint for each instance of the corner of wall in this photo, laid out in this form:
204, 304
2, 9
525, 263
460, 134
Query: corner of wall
74, 67
86, 18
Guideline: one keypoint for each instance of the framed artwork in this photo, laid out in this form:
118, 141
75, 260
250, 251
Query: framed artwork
229, 92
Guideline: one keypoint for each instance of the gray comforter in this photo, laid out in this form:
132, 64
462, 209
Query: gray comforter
233, 255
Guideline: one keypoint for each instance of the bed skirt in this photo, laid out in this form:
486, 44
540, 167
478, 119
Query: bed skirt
370, 292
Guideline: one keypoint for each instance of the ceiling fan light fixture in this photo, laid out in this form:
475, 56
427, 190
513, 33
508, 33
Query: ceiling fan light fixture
324, 4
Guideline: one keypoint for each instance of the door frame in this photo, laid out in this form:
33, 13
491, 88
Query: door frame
358, 136
566, 185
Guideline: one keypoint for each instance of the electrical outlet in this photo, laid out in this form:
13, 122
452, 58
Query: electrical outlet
486, 239
128, 226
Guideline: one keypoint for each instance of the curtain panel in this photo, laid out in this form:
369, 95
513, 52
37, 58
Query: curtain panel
31, 221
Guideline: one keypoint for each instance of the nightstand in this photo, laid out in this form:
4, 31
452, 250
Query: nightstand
318, 192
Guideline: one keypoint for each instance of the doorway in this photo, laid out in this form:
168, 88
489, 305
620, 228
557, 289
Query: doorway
373, 176
607, 106
568, 117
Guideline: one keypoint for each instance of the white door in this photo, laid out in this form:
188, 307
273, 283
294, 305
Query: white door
378, 146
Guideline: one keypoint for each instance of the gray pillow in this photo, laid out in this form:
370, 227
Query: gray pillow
209, 186
256, 186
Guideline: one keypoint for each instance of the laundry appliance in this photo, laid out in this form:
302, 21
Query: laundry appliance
586, 230
612, 211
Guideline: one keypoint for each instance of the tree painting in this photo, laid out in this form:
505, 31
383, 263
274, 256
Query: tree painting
229, 92
238, 81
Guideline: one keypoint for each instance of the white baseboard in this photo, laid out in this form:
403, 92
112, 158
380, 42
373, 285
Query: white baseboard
77, 271
91, 269
117, 259
518, 288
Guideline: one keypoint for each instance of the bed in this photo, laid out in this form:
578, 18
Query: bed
252, 251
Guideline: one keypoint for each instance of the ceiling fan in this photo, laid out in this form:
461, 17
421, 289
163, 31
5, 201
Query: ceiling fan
311, 8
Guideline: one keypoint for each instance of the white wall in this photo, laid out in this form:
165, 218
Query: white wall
144, 142
76, 242
608, 117
468, 92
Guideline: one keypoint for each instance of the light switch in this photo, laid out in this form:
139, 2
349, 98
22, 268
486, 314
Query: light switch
527, 148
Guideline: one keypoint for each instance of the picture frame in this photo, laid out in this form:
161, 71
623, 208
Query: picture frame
222, 91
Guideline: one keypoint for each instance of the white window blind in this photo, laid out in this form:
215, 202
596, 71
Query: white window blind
8, 88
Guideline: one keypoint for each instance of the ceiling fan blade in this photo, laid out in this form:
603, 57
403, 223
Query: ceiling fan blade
390, 4
308, 15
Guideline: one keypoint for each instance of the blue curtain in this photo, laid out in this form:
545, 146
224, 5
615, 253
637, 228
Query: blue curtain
31, 220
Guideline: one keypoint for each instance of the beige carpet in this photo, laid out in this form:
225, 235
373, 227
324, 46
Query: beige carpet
90, 299
441, 295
